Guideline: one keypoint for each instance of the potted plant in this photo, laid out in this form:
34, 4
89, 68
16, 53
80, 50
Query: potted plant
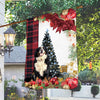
98, 75
95, 90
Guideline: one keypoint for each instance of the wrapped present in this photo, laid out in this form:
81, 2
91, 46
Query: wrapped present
63, 68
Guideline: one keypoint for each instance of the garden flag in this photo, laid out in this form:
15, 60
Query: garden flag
51, 60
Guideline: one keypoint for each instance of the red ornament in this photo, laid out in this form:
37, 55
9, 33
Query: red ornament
56, 82
46, 84
42, 17
71, 14
39, 81
41, 87
69, 34
56, 77
67, 80
63, 83
33, 82
53, 80
73, 83
73, 44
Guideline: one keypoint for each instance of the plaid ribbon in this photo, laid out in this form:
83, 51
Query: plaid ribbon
32, 44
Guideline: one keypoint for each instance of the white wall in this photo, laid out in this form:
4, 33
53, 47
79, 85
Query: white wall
2, 14
61, 42
85, 92
15, 72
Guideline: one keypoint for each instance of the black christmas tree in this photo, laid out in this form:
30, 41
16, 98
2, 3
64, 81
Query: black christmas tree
53, 64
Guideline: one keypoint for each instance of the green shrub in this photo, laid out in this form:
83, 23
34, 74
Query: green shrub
87, 76
46, 98
95, 90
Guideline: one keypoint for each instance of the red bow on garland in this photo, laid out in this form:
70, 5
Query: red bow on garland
60, 24
68, 14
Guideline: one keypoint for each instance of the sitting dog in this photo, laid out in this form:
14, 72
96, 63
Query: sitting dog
41, 70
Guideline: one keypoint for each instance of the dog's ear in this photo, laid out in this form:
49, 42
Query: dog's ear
36, 54
45, 50
27, 79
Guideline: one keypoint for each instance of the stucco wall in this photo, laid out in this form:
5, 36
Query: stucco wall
16, 71
2, 14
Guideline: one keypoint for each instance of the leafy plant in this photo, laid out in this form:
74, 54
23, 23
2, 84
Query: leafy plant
45, 98
88, 42
10, 91
95, 90
25, 9
87, 76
